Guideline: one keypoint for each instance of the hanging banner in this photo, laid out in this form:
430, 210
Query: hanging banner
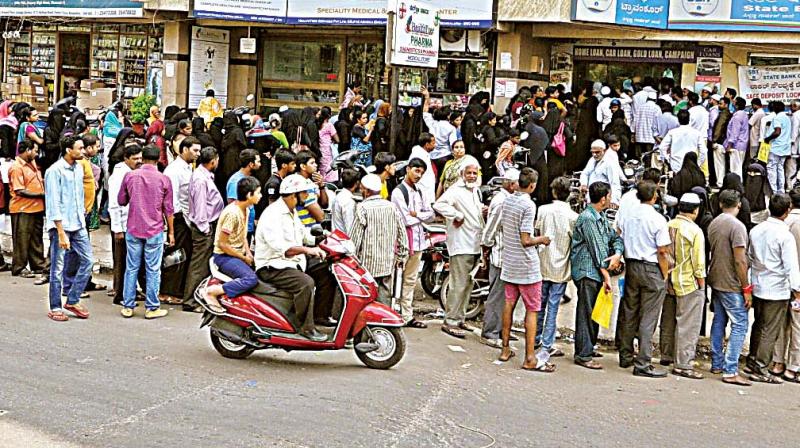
641, 13
771, 83
266, 11
71, 8
737, 15
208, 64
452, 13
633, 54
415, 40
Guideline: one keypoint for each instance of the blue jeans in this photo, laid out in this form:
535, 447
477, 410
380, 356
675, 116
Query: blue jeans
546, 327
728, 306
244, 277
81, 249
153, 249
71, 262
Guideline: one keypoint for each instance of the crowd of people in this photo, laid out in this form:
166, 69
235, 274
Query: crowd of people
204, 185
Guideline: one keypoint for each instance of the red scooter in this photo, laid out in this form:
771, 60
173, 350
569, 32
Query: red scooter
264, 317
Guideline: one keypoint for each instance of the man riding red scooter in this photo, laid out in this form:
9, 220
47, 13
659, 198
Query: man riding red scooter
279, 312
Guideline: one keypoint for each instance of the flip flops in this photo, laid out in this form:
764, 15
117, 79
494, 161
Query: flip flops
454, 331
57, 316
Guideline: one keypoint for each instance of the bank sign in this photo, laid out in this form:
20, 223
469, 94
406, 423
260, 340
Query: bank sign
71, 8
640, 13
415, 37
736, 15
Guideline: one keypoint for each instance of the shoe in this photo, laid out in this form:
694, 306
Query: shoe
24, 274
155, 314
314, 335
327, 322
43, 280
494, 343
625, 364
5, 267
126, 312
78, 310
650, 372
665, 362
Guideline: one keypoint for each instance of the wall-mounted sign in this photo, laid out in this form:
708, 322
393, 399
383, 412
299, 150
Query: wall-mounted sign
247, 45
208, 64
633, 54
415, 39
776, 83
71, 8
739, 15
641, 13
267, 11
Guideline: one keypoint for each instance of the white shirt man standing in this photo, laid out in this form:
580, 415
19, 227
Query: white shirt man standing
682, 140
426, 145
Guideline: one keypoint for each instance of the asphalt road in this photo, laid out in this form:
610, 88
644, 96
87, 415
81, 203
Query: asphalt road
111, 382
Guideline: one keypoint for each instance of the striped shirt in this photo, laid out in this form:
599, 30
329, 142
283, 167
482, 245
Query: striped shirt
646, 115
379, 236
520, 264
690, 255
302, 209
557, 221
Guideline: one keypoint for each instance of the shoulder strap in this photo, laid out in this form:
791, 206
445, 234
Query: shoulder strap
404, 190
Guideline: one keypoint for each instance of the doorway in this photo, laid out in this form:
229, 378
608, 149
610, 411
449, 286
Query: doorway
73, 54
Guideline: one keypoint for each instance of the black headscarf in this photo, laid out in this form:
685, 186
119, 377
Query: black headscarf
215, 131
311, 129
52, 134
170, 112
732, 181
117, 151
75, 125
233, 142
344, 127
704, 216
688, 177
199, 132
291, 121
757, 187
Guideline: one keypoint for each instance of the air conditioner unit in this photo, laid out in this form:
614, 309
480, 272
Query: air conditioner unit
460, 40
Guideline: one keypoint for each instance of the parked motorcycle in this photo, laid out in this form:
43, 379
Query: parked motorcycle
264, 317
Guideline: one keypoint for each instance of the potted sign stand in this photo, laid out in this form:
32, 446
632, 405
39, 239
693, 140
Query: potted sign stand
140, 111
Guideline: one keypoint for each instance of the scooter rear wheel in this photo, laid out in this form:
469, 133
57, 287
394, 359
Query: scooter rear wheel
392, 347
230, 349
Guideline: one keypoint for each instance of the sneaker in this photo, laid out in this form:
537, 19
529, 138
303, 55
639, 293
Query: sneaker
155, 314
126, 312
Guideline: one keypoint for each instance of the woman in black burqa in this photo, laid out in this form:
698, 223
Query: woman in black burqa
233, 142
688, 177
52, 134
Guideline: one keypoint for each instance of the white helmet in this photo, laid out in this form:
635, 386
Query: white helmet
295, 183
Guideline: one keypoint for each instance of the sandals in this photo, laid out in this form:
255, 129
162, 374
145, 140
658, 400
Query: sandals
544, 368
414, 323
96, 287
454, 331
216, 309
506, 359
795, 378
78, 310
688, 373
591, 365
767, 379
169, 300
736, 380
57, 316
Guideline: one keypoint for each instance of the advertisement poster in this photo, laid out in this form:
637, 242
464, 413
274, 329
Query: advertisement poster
266, 11
640, 13
71, 8
415, 40
775, 83
736, 15
561, 65
208, 64
709, 68
452, 13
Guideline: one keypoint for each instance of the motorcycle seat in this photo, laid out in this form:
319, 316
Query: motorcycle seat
434, 228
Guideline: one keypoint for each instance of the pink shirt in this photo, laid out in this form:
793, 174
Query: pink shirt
149, 194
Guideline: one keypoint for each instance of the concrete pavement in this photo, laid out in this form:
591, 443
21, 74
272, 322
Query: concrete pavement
111, 382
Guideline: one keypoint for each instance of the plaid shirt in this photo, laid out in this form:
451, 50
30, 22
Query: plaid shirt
592, 241
643, 122
557, 221
690, 256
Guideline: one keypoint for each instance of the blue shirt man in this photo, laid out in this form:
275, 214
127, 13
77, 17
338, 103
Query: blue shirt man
249, 163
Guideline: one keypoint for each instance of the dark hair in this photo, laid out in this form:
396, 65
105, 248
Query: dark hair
677, 91
684, 207
741, 104
777, 107
25, 146
303, 157
731, 91
284, 157
611, 139
794, 195
597, 191
245, 186
652, 174
248, 156
779, 204
425, 138
729, 199
151, 152
68, 141
131, 150
89, 140
207, 155
185, 123
683, 117
382, 160
416, 162
755, 102
350, 178
693, 98
725, 100
187, 143
210, 92
453, 116
560, 187
527, 177
646, 190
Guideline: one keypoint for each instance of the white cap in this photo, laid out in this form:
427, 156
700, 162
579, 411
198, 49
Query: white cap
274, 117
283, 109
716, 97
605, 91
690, 198
372, 182
599, 144
651, 95
511, 174
707, 88
295, 183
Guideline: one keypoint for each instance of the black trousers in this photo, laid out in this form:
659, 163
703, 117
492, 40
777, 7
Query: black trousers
173, 278
586, 329
119, 251
327, 303
202, 250
300, 285
639, 149
770, 318
26, 231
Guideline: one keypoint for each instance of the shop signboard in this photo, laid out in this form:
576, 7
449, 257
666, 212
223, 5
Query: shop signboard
265, 11
770, 83
415, 37
736, 15
640, 13
453, 13
208, 64
633, 54
71, 8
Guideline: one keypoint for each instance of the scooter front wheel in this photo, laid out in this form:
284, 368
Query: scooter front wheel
391, 346
230, 349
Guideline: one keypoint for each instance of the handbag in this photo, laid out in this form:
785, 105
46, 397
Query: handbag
559, 143
298, 145
763, 151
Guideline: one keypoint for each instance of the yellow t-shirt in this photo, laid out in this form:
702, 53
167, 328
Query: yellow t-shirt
233, 223
89, 187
